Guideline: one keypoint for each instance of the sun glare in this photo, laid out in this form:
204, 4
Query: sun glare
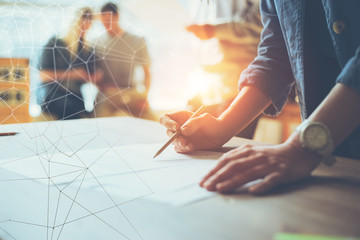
204, 85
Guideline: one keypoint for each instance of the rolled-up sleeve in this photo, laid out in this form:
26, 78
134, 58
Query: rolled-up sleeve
350, 75
270, 71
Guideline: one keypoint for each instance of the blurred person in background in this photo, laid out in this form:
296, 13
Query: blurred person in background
120, 53
66, 64
238, 34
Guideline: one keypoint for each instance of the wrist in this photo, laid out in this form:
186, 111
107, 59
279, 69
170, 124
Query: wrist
228, 126
223, 132
294, 143
315, 137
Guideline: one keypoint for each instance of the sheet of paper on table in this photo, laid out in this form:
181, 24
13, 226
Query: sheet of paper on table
42, 211
124, 173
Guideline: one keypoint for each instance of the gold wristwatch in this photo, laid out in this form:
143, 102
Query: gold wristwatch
316, 137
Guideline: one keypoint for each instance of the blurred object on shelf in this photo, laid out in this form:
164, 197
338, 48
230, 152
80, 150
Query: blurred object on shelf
14, 90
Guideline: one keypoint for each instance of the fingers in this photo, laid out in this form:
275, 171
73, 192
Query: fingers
268, 183
241, 166
173, 121
238, 153
233, 168
238, 180
185, 149
275, 165
182, 145
169, 123
170, 133
196, 123
242, 151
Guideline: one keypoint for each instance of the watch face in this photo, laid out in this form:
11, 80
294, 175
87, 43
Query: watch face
316, 137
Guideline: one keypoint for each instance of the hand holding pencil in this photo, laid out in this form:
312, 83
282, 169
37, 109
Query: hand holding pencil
178, 132
202, 132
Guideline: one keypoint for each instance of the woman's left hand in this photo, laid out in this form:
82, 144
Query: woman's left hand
275, 164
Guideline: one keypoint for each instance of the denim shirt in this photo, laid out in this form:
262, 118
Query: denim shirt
280, 60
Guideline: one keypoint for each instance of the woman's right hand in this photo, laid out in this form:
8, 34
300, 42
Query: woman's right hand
201, 133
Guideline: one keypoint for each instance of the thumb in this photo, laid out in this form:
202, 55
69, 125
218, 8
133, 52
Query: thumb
195, 124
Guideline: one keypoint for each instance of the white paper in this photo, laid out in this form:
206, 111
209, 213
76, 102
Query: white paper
38, 210
124, 173
170, 178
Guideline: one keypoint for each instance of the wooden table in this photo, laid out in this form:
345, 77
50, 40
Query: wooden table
327, 203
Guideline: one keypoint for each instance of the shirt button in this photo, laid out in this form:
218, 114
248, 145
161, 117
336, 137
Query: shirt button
339, 26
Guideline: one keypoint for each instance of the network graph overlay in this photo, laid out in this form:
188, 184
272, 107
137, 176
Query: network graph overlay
52, 170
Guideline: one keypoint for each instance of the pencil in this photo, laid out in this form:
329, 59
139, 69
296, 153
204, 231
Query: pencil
7, 134
178, 132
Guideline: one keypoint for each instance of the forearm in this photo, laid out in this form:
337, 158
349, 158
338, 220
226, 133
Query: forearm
340, 112
284, 163
248, 104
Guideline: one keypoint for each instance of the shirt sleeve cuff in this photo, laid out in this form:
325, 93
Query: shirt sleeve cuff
278, 97
350, 75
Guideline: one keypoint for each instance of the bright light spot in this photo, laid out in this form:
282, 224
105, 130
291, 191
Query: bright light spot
205, 85
89, 92
178, 75
35, 110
